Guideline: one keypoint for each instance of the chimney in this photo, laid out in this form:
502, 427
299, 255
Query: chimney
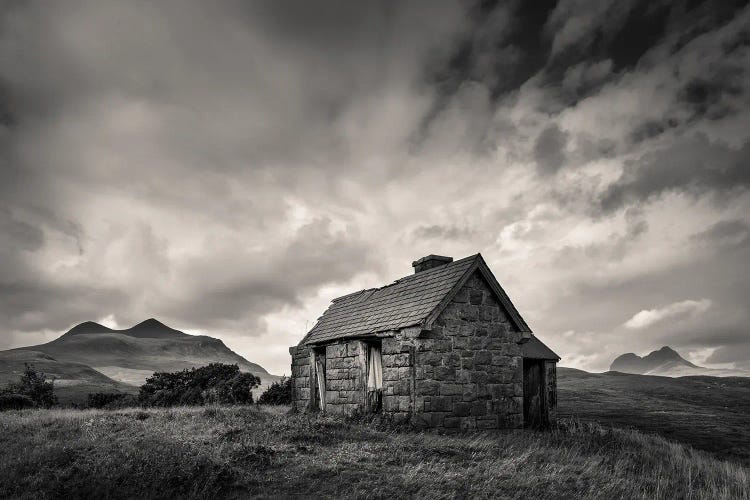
429, 262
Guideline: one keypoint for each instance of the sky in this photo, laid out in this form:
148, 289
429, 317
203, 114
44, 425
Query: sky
230, 167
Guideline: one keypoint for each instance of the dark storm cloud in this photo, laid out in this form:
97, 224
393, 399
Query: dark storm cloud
549, 150
734, 232
693, 166
220, 292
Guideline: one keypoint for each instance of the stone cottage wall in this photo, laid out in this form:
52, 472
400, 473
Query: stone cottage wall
346, 373
300, 377
468, 368
398, 375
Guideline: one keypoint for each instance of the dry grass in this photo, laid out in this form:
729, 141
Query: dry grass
264, 452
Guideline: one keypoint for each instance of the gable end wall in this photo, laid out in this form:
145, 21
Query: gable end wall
468, 368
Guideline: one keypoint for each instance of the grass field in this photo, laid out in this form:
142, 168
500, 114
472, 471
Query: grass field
708, 413
261, 452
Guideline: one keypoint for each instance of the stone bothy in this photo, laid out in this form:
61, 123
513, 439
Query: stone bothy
444, 347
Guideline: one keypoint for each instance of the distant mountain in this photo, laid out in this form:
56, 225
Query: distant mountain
127, 356
665, 362
148, 329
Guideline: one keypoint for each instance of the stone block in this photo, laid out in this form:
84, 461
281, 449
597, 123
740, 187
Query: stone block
428, 388
452, 359
354, 348
442, 345
499, 358
469, 313
449, 389
479, 408
478, 343
460, 343
429, 358
467, 329
445, 373
390, 374
487, 422
453, 327
335, 351
404, 373
468, 392
462, 296
402, 360
439, 403
477, 377
482, 357
476, 297
451, 422
390, 403
437, 332
468, 423
404, 403
390, 346
461, 409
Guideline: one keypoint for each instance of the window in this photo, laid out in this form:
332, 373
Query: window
374, 378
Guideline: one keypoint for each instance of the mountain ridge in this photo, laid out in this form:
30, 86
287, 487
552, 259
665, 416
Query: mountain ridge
665, 362
124, 357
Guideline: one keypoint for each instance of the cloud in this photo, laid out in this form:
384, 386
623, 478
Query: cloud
676, 311
549, 150
694, 166
735, 232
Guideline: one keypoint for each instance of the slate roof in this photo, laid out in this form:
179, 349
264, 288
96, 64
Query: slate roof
409, 301
536, 349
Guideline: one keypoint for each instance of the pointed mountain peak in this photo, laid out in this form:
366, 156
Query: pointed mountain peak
151, 323
88, 327
152, 328
632, 363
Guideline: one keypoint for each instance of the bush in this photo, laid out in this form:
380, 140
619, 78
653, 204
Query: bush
279, 393
10, 401
110, 400
33, 386
216, 383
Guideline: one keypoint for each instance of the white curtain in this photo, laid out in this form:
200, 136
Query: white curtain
320, 371
375, 364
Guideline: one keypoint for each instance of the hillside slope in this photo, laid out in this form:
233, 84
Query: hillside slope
709, 413
72, 381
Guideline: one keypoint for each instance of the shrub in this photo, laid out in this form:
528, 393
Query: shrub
110, 400
216, 383
34, 386
10, 401
279, 393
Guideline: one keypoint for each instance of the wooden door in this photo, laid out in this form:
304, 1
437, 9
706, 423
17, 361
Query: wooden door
533, 395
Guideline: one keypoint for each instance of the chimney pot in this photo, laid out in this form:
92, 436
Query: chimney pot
430, 262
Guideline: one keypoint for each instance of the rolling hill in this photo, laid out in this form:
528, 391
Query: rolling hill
708, 413
73, 381
121, 360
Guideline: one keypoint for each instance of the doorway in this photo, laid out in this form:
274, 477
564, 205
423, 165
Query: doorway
534, 409
319, 400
